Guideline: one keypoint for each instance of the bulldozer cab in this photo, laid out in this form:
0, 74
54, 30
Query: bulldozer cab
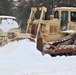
67, 16
64, 19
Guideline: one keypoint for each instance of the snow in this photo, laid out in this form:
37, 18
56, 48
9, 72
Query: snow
68, 31
22, 58
8, 23
7, 17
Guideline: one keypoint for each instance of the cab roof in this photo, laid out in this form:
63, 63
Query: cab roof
7, 17
65, 8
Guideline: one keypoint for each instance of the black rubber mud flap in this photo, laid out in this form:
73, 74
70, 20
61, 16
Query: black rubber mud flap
40, 44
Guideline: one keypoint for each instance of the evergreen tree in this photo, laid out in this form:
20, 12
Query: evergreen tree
6, 7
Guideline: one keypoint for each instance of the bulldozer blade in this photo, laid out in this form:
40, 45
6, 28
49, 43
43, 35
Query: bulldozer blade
67, 50
40, 44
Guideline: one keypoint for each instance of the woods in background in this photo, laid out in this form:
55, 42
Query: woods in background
21, 8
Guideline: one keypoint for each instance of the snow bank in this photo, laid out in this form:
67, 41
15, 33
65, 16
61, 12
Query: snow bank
8, 23
22, 58
10, 17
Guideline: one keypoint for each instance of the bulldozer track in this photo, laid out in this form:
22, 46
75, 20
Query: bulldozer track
68, 40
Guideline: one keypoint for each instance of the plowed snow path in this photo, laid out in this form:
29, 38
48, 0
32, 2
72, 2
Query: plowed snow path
22, 58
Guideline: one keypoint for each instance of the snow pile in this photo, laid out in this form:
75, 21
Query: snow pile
69, 31
5, 17
22, 58
7, 24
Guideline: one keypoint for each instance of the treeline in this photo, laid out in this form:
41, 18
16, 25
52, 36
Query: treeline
21, 8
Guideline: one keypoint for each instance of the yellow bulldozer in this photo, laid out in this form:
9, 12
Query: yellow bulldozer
54, 36
9, 30
57, 35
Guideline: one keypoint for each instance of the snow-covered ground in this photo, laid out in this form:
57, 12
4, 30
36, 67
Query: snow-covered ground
22, 58
7, 23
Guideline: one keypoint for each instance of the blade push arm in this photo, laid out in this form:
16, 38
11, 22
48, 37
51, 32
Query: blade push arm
43, 10
33, 11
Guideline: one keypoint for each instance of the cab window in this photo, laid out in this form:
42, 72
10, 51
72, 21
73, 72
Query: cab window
73, 16
56, 14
